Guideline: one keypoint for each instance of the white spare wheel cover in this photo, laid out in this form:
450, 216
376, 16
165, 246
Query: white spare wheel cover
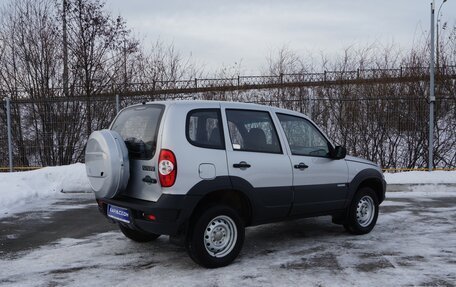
107, 164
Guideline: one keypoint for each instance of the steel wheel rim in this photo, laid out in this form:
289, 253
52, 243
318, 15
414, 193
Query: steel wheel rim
220, 236
365, 211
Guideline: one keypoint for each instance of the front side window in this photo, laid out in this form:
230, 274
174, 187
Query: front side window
204, 128
303, 137
138, 126
252, 131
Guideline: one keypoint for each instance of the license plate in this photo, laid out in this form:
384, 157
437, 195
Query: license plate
118, 213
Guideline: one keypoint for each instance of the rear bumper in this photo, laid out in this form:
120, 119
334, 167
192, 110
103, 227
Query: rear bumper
171, 212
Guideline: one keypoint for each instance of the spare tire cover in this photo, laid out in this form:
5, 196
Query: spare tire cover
107, 164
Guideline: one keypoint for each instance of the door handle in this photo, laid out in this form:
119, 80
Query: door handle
301, 165
242, 164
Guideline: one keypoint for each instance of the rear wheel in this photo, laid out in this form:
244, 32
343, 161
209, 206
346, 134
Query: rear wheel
216, 237
363, 212
136, 235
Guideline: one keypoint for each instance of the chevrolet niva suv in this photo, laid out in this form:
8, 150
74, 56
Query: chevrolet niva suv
202, 171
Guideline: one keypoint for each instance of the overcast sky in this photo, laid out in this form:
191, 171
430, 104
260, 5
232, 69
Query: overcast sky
220, 33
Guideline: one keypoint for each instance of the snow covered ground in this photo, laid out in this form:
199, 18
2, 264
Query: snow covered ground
421, 177
414, 242
28, 190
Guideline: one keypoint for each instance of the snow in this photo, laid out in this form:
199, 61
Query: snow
421, 177
424, 191
27, 189
413, 244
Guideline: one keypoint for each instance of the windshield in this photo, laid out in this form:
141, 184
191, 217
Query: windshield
138, 126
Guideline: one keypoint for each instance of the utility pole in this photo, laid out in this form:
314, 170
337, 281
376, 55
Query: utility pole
65, 49
437, 44
125, 63
437, 35
431, 93
10, 138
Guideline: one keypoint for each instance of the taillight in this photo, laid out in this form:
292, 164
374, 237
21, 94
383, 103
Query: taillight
150, 217
167, 168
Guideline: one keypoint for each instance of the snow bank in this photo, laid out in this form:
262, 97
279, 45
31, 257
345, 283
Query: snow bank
26, 188
421, 177
23, 188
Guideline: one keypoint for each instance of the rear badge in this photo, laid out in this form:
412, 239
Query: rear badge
148, 168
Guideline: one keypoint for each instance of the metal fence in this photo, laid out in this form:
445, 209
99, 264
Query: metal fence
384, 121
189, 87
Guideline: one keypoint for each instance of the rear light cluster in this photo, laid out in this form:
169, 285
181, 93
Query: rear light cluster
167, 168
150, 217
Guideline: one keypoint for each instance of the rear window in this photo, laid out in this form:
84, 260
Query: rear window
138, 126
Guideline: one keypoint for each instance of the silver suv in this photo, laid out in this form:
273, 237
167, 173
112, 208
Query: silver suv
202, 171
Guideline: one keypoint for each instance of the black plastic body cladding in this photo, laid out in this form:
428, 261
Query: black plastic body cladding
363, 176
267, 205
171, 212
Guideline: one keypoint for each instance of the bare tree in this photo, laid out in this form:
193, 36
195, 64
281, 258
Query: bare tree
97, 44
384, 122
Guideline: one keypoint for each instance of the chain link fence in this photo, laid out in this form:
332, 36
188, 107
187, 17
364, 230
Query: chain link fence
385, 123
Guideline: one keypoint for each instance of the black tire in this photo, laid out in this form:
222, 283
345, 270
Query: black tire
215, 237
136, 235
363, 212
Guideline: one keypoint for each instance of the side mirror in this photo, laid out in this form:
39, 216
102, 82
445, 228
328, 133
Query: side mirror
339, 152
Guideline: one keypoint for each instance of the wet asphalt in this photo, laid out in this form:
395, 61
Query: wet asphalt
71, 217
78, 217
326, 245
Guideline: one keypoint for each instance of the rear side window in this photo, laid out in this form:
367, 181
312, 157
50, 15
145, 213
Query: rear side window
138, 126
204, 128
252, 131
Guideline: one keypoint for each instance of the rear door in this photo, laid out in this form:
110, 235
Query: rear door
320, 183
139, 125
257, 162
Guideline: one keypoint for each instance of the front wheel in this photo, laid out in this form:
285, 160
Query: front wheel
363, 212
136, 235
216, 237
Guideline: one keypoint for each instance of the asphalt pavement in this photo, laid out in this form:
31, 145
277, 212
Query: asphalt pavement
73, 216
413, 243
